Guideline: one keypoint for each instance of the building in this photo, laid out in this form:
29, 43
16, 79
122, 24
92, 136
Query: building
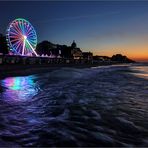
76, 53
87, 55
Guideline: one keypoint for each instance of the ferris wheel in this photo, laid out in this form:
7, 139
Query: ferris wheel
21, 37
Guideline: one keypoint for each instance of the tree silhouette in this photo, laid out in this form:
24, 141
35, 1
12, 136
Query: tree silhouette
120, 58
3, 45
46, 47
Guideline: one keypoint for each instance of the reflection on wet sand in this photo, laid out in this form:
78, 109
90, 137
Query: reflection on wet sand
19, 88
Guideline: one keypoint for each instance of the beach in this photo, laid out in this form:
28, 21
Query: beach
98, 106
24, 69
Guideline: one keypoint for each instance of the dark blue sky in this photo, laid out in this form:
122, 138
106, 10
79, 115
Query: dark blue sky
102, 27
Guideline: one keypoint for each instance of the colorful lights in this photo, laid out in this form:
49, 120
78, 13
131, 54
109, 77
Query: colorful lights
19, 88
21, 37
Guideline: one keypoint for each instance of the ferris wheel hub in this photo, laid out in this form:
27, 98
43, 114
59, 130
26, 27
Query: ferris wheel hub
25, 37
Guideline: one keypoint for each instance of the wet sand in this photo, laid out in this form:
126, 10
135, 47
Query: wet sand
23, 70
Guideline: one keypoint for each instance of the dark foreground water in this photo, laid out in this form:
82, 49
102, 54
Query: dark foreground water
106, 106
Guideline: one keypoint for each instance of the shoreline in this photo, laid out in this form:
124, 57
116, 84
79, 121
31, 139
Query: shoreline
25, 70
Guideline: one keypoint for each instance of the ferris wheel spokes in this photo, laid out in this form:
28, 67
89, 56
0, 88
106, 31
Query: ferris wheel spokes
21, 37
32, 48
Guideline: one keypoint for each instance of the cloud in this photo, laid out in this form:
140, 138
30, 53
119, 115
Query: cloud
108, 35
79, 17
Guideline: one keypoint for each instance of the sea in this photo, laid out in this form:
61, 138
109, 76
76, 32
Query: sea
87, 107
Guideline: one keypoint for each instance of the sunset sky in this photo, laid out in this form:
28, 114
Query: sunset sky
104, 28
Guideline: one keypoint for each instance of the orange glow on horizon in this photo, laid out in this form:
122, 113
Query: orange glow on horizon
133, 56
135, 52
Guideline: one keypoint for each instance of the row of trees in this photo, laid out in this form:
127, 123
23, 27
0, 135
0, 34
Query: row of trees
117, 58
121, 58
48, 48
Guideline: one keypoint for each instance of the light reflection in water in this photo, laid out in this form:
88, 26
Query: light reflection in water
19, 88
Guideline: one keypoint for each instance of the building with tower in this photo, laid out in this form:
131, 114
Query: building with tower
76, 52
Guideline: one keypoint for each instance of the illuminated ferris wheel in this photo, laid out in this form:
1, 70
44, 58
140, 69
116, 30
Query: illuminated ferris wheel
21, 37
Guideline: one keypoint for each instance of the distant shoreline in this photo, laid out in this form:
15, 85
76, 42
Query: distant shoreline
24, 70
